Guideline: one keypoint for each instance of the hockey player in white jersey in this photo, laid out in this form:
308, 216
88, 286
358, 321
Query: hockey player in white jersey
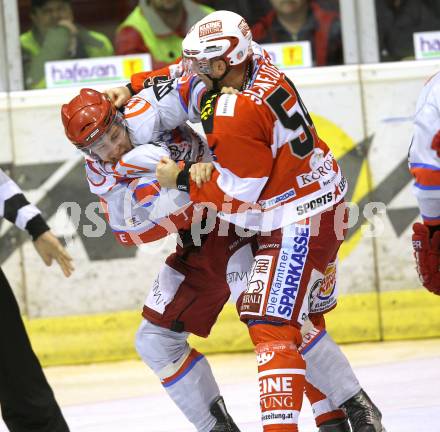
424, 164
121, 172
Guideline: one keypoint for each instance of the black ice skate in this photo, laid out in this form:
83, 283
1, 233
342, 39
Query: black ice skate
224, 420
335, 426
363, 415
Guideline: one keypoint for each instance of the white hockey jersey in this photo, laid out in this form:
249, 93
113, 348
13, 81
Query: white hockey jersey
137, 209
163, 107
424, 152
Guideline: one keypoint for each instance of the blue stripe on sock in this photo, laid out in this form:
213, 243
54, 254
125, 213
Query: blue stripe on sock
187, 370
315, 341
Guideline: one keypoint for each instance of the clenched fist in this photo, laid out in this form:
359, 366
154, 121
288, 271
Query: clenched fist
427, 255
167, 172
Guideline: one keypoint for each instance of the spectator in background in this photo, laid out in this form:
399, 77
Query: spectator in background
158, 27
302, 20
55, 36
397, 20
26, 399
329, 4
251, 9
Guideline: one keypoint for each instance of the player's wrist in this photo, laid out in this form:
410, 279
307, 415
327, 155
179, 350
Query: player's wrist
130, 89
183, 177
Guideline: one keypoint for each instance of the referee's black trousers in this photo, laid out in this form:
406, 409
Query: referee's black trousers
26, 399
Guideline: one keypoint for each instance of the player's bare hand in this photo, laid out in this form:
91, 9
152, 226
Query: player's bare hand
229, 90
167, 172
201, 172
50, 248
118, 95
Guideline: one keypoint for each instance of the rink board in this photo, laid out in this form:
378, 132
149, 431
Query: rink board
412, 314
363, 112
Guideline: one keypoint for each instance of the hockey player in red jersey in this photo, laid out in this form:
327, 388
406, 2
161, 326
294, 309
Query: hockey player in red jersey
120, 166
266, 152
424, 164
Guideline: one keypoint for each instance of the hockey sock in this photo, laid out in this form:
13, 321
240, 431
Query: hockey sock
327, 367
190, 383
281, 371
323, 409
184, 373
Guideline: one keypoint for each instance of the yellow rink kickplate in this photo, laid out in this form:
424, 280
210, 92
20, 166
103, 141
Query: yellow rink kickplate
412, 314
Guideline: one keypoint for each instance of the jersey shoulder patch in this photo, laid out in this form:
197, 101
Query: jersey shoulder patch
226, 105
207, 110
135, 107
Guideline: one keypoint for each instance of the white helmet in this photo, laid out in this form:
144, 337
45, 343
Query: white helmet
219, 35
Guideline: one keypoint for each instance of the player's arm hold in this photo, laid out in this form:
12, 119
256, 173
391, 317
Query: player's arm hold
142, 80
243, 159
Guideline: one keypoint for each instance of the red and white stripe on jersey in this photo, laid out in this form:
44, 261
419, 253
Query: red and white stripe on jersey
191, 90
427, 190
267, 153
100, 176
136, 208
427, 176
147, 193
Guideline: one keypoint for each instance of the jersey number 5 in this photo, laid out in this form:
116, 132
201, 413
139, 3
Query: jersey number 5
299, 122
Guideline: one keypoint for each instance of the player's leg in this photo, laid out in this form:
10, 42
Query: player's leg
285, 274
339, 382
270, 306
184, 373
281, 374
26, 399
328, 417
187, 297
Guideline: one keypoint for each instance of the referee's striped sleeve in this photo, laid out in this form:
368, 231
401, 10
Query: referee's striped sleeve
15, 208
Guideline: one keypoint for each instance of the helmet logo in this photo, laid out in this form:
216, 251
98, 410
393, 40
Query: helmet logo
191, 53
243, 26
92, 135
212, 48
210, 28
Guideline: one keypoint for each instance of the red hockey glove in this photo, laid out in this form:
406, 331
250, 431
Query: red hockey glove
427, 255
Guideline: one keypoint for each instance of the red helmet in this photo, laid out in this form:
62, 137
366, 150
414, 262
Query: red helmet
87, 117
